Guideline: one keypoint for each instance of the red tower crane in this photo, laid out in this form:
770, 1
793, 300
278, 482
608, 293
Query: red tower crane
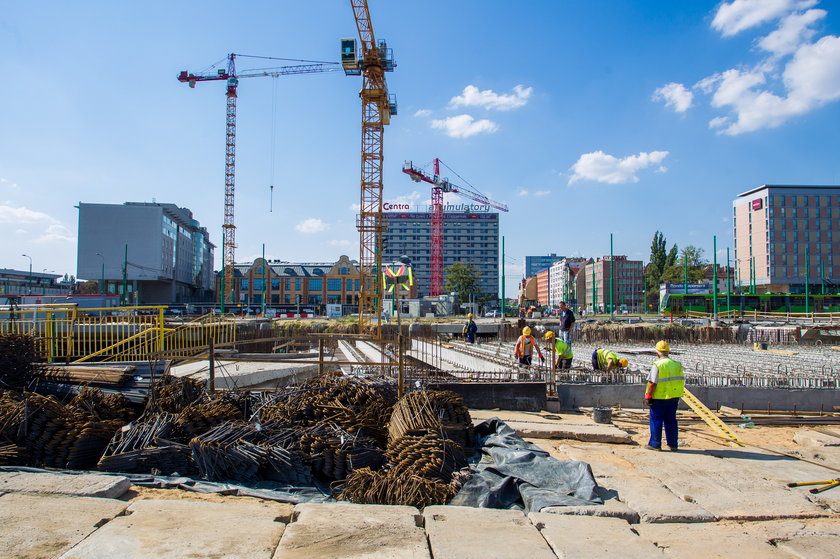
232, 79
439, 186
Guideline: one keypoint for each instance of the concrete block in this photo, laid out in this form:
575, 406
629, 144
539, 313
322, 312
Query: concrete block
612, 508
744, 540
723, 487
576, 431
574, 537
82, 485
812, 547
475, 533
653, 501
344, 530
813, 438
36, 526
163, 529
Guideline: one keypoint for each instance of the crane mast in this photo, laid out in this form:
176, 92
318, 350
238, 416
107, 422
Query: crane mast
439, 186
377, 108
230, 76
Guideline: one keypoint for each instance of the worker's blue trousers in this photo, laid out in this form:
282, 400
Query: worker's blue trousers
663, 412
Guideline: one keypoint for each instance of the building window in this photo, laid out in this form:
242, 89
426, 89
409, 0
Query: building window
314, 300
349, 285
243, 284
288, 283
315, 284
275, 299
275, 283
333, 285
297, 284
287, 299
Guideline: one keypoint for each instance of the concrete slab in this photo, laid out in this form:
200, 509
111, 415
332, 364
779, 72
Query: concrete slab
721, 486
344, 530
641, 492
812, 547
35, 526
474, 533
573, 537
548, 426
612, 508
745, 540
177, 529
241, 374
82, 485
808, 437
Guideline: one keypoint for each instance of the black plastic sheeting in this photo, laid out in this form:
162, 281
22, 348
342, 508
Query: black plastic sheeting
508, 472
513, 473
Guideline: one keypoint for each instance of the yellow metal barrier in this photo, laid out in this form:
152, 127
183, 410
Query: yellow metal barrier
114, 333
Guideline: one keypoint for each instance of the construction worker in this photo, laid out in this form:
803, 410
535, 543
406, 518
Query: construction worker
470, 329
605, 360
525, 346
665, 387
562, 349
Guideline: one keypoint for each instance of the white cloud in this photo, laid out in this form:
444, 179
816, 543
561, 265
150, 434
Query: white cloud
423, 112
811, 79
9, 184
356, 207
411, 198
11, 214
54, 233
734, 17
20, 231
601, 167
675, 95
794, 30
464, 126
488, 99
311, 225
340, 243
522, 192
542, 193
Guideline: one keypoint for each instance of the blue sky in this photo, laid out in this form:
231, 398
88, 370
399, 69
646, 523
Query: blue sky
585, 118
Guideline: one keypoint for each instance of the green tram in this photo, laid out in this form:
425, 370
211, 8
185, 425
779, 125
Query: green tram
680, 304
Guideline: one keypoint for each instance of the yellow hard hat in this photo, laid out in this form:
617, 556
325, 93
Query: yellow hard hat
663, 346
623, 362
548, 335
526, 331
469, 315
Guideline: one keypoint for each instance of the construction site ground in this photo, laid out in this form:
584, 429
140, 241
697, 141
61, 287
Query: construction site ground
708, 500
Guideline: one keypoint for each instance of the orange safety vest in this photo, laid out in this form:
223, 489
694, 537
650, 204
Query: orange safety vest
525, 346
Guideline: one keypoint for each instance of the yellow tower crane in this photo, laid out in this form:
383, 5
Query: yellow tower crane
377, 108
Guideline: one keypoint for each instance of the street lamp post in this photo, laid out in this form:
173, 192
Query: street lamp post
102, 275
29, 280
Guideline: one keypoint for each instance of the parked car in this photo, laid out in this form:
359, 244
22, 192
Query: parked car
493, 314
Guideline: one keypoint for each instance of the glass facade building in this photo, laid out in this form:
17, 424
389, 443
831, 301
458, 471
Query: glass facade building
472, 238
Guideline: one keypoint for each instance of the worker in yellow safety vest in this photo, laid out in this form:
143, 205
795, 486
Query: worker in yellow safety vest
525, 346
605, 360
665, 387
562, 349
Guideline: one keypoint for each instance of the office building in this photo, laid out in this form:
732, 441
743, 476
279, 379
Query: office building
470, 235
785, 233
146, 252
534, 264
627, 284
562, 281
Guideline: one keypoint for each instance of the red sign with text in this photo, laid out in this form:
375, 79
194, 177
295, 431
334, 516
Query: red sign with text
756, 204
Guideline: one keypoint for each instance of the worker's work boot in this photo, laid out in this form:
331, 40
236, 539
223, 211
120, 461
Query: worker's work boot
647, 446
673, 448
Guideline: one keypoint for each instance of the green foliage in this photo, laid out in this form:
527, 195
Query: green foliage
463, 278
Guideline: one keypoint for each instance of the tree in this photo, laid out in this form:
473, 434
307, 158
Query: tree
661, 262
463, 278
89, 288
696, 267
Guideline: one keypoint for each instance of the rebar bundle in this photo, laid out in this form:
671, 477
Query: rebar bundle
334, 452
439, 410
327, 400
233, 451
18, 358
611, 333
173, 394
144, 447
199, 418
389, 487
102, 406
427, 454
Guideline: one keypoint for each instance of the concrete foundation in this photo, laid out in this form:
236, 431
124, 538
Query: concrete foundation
572, 396
519, 396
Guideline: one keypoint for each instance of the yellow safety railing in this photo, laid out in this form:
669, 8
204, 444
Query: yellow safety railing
114, 333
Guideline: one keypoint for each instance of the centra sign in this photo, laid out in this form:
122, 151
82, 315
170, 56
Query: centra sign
389, 206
